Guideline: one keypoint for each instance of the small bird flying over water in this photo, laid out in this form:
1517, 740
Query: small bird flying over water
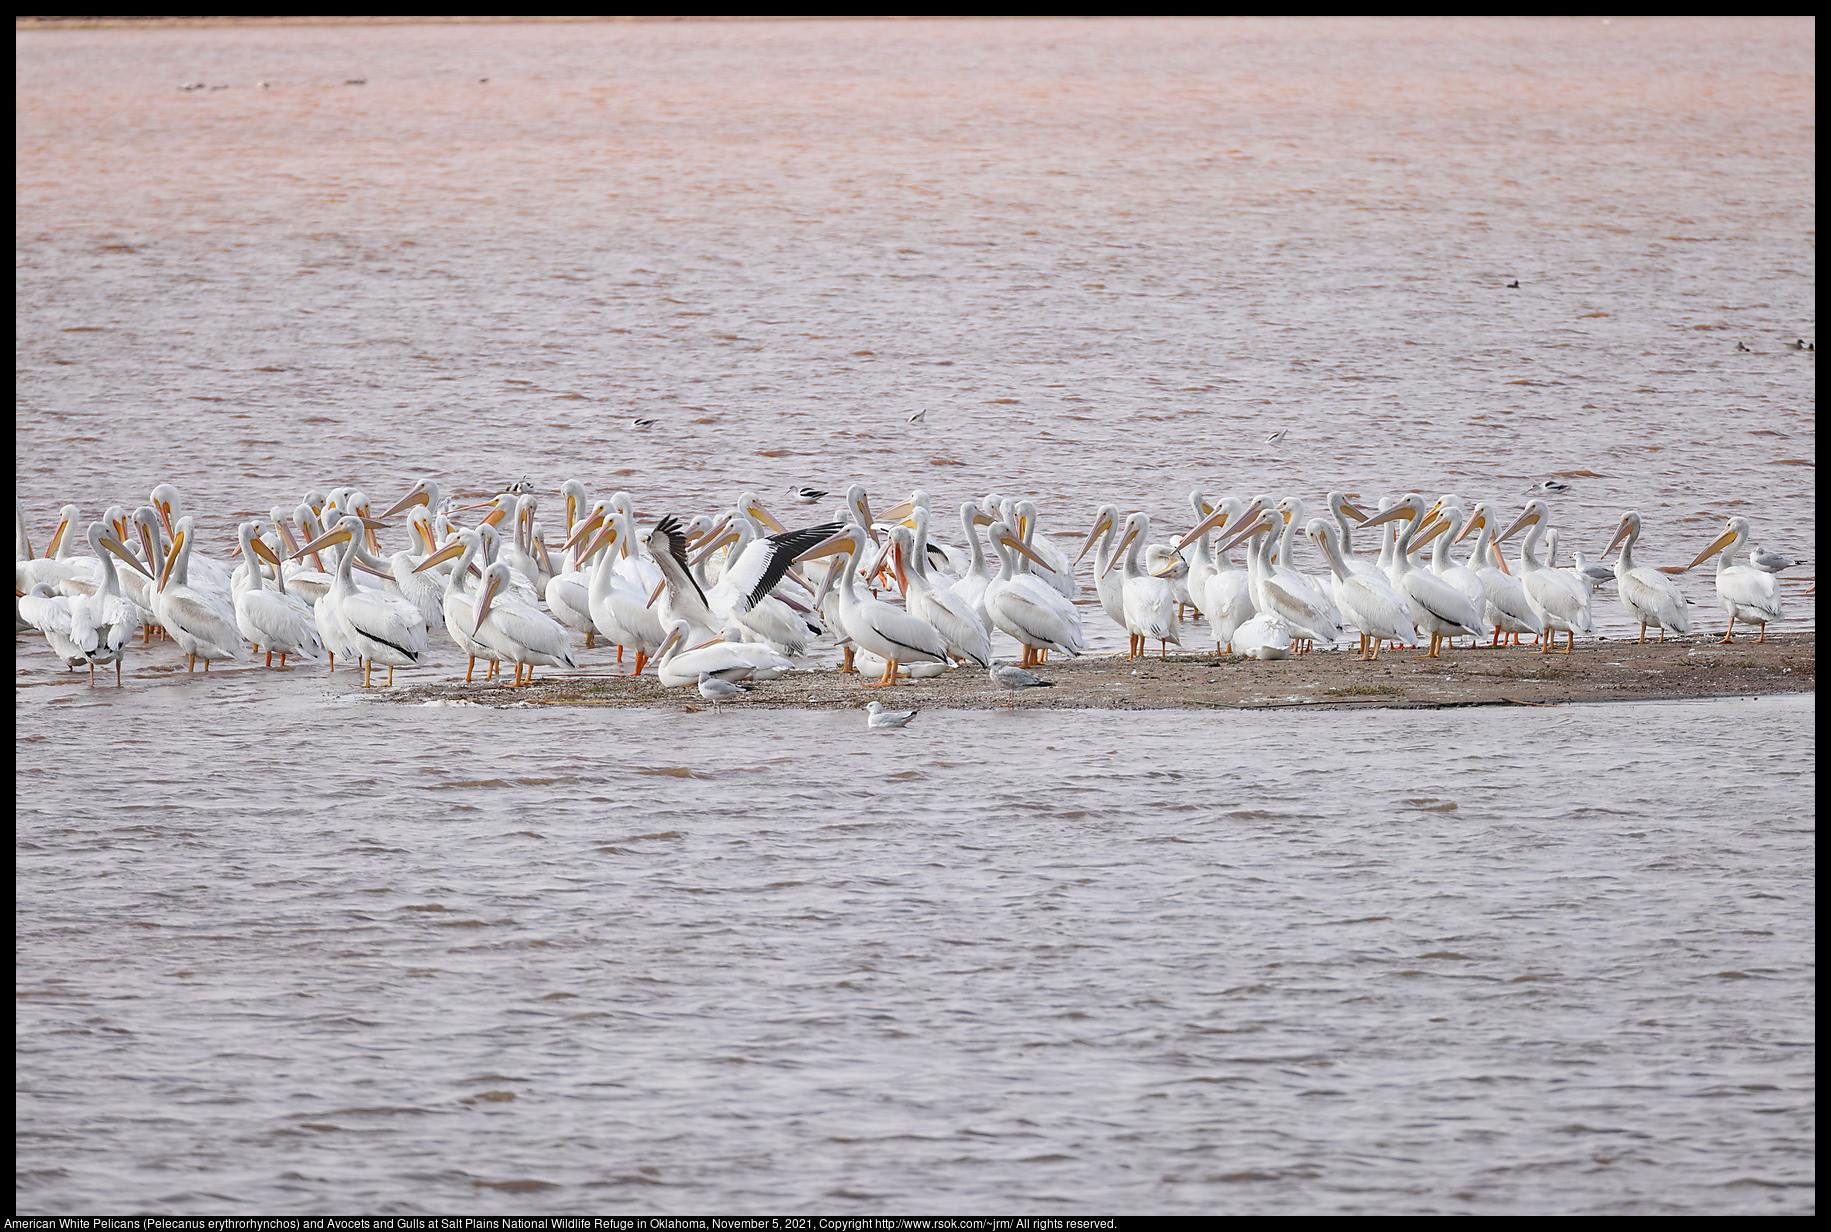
1273, 438
918, 416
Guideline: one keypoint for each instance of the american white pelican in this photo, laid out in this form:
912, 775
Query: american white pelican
1463, 577
459, 603
743, 591
1032, 613
1437, 607
1048, 562
527, 636
619, 607
1746, 594
1305, 612
1556, 598
878, 717
1108, 585
206, 572
1649, 595
897, 635
950, 615
1225, 597
1368, 601
377, 627
275, 621
1504, 599
678, 665
1013, 680
1266, 636
202, 624
1150, 601
1284, 559
974, 579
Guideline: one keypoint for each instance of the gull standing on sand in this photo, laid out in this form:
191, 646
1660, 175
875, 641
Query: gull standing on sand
715, 690
1013, 679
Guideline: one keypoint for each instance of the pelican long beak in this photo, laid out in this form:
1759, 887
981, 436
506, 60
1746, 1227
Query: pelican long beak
1352, 511
718, 538
419, 496
605, 538
1242, 535
1023, 550
114, 545
1104, 524
1621, 532
57, 537
1722, 541
1119, 551
1391, 515
656, 593
165, 574
901, 509
339, 535
1436, 528
439, 557
1217, 518
1480, 519
490, 587
1528, 518
266, 553
755, 509
843, 541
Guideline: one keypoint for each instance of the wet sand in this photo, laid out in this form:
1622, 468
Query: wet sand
1595, 672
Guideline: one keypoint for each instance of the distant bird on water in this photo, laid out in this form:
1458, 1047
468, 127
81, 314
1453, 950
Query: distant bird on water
1514, 285
1013, 679
1743, 346
1800, 344
1548, 487
879, 717
1274, 437
918, 416
806, 496
641, 423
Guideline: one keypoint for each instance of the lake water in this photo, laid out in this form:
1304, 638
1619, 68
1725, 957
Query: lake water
286, 948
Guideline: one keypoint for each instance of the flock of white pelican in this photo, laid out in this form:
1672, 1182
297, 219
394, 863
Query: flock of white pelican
714, 601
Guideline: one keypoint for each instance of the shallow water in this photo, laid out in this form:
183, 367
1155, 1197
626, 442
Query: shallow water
282, 947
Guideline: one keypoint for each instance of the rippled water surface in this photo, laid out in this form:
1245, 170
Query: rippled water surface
284, 947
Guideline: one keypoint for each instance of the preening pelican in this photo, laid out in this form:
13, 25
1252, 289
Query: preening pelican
1302, 609
1746, 594
678, 665
1649, 595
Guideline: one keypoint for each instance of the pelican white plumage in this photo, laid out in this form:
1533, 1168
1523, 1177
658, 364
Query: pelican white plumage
377, 627
1746, 594
1650, 597
1047, 561
1305, 612
1437, 607
459, 603
898, 635
200, 622
1556, 598
950, 615
1265, 636
273, 620
526, 635
1504, 599
1367, 600
1033, 613
758, 564
1461, 576
1108, 585
1150, 601
678, 665
977, 575
1225, 597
